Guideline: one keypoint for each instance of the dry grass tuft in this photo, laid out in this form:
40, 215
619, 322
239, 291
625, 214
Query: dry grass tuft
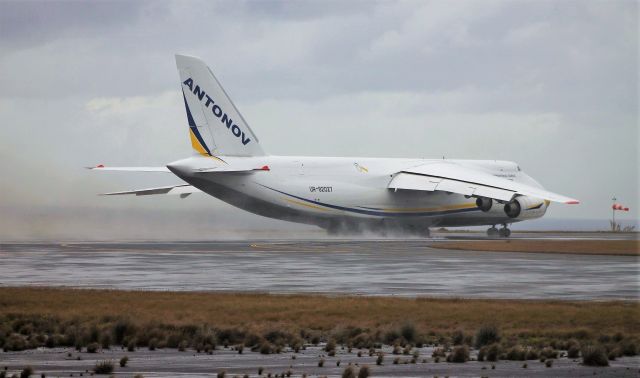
103, 367
594, 356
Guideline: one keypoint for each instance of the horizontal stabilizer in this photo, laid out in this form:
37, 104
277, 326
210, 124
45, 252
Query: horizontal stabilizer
455, 178
181, 190
130, 169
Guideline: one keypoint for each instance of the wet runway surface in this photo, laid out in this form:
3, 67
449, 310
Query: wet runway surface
372, 267
65, 362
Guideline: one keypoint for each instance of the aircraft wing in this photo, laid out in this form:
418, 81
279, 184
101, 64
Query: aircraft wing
455, 178
181, 190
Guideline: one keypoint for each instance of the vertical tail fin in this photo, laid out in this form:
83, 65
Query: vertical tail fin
216, 127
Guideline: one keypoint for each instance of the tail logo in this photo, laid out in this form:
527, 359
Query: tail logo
217, 111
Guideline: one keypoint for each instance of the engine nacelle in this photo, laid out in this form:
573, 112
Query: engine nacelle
525, 207
484, 203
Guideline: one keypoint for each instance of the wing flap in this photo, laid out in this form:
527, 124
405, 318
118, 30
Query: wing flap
454, 186
499, 194
414, 182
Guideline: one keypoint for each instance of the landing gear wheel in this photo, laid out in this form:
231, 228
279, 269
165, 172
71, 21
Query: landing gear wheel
492, 232
505, 232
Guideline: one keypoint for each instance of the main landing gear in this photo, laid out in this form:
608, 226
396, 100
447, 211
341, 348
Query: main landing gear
504, 232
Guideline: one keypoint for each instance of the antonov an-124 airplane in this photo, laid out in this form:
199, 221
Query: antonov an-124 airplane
342, 195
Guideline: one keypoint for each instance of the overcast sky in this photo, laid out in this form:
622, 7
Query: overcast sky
552, 85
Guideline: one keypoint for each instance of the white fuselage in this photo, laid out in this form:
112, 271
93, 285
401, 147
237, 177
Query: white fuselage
349, 193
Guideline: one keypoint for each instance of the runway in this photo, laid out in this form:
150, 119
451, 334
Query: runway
372, 267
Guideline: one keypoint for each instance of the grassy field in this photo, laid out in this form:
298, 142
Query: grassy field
79, 317
583, 247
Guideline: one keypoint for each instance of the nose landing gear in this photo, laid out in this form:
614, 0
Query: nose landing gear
504, 232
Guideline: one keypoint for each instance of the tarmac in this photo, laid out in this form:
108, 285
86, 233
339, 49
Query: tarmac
375, 267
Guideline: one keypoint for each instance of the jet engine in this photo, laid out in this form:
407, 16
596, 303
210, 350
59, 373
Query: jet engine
484, 203
525, 207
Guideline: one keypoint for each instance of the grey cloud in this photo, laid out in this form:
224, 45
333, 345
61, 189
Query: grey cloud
27, 23
552, 85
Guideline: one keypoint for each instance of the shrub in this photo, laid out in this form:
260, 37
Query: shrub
240, 348
123, 361
407, 350
105, 341
594, 356
260, 370
397, 349
331, 345
380, 358
103, 367
532, 354
408, 331
573, 351
613, 354
482, 354
548, 352
349, 373
122, 328
222, 374
459, 354
629, 348
491, 352
26, 372
548, 363
153, 344
457, 337
131, 345
321, 362
396, 360
92, 348
486, 335
391, 336
265, 348
516, 353
182, 346
364, 372
15, 342
49, 343
438, 352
